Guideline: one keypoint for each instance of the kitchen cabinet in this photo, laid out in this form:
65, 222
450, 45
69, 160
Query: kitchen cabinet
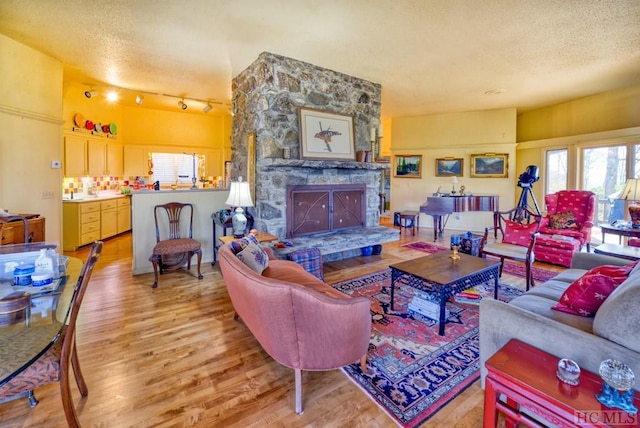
136, 162
80, 224
13, 232
108, 218
123, 219
75, 156
95, 156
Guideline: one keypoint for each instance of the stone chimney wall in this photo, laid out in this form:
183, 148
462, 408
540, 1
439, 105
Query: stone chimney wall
266, 97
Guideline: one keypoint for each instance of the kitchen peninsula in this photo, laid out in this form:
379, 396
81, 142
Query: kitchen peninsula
205, 202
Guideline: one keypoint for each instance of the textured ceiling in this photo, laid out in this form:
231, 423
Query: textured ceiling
430, 56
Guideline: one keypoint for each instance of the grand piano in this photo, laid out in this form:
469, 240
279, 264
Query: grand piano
440, 205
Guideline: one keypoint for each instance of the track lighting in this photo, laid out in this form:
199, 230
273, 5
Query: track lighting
90, 93
139, 99
207, 108
182, 105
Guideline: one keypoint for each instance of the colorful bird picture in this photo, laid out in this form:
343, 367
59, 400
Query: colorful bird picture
325, 135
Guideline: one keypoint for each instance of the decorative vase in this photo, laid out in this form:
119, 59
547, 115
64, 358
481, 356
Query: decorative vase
634, 213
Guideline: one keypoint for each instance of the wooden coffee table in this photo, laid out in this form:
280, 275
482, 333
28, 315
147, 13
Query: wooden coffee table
442, 276
527, 378
622, 251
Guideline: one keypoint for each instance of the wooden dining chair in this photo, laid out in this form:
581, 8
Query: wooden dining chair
55, 363
15, 308
519, 229
172, 250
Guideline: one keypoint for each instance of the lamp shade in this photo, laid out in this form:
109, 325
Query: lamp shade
631, 191
239, 194
454, 180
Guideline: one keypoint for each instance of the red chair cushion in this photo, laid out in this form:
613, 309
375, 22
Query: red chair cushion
518, 234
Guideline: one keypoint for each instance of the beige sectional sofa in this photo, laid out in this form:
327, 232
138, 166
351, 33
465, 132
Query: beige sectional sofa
614, 331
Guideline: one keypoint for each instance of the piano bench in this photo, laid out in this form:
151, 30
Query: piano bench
409, 219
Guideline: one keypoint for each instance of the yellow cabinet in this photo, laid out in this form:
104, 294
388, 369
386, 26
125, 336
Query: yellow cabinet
135, 161
115, 159
124, 214
95, 156
75, 156
108, 218
81, 224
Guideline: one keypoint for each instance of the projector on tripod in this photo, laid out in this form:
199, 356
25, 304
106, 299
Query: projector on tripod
525, 181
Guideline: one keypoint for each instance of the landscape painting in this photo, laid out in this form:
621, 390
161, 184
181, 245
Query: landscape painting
408, 166
490, 165
448, 167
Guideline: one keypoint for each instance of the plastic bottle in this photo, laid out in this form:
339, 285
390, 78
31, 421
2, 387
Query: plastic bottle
44, 263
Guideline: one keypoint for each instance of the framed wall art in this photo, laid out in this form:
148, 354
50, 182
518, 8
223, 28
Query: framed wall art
408, 166
490, 165
448, 167
326, 135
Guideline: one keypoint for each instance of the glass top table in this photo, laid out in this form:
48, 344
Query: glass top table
21, 345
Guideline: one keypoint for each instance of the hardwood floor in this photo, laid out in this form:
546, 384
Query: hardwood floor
174, 356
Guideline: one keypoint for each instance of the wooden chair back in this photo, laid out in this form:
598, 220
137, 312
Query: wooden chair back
15, 308
174, 214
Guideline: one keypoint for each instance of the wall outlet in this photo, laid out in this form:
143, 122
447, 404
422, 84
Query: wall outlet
55, 164
47, 194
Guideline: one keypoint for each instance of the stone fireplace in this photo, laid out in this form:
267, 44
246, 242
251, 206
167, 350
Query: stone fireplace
266, 98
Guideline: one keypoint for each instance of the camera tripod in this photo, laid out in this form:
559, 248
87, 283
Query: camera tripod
523, 203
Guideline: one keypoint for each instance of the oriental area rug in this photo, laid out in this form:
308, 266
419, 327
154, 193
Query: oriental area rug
412, 372
540, 275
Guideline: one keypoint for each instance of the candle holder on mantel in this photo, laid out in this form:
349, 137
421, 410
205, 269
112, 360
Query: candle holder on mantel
454, 252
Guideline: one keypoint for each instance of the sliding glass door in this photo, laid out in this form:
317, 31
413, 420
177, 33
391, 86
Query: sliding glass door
604, 172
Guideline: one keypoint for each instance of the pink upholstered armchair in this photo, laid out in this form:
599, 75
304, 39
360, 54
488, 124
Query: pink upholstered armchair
570, 213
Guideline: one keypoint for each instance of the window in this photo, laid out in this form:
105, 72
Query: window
177, 168
604, 172
556, 170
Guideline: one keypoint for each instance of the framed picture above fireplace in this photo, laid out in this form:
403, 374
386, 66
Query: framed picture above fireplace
326, 135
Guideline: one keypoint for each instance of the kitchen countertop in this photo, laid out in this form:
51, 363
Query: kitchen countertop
100, 197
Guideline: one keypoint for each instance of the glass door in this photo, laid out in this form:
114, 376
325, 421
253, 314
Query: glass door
604, 172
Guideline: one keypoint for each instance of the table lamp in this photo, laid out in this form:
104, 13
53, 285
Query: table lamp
454, 181
239, 197
631, 192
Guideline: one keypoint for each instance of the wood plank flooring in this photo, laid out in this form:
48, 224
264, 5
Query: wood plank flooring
174, 356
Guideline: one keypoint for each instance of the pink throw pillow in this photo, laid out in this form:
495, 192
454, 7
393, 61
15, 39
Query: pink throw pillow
585, 295
518, 234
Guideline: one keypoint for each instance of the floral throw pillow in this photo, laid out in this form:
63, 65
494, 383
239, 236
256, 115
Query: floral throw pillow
518, 234
240, 244
564, 220
585, 295
254, 257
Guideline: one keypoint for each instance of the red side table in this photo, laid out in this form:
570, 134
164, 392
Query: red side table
527, 378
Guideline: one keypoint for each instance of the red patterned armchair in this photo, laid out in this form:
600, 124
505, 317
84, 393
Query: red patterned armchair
566, 227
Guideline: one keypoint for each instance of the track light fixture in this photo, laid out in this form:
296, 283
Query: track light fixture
207, 108
139, 99
182, 105
91, 93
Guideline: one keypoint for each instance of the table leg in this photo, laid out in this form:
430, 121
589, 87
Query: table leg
490, 410
394, 275
443, 309
213, 256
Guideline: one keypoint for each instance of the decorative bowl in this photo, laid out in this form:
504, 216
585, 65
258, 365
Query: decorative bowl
617, 374
568, 371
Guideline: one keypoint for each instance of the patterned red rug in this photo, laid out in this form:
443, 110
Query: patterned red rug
412, 371
540, 275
